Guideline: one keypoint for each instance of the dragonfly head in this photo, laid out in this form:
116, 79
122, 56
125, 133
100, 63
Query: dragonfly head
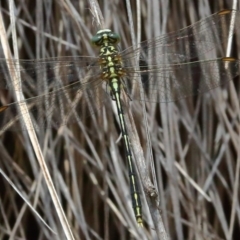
105, 36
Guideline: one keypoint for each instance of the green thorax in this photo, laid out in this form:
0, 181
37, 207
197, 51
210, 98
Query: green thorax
109, 58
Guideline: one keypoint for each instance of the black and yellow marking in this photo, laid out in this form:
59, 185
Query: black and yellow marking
112, 71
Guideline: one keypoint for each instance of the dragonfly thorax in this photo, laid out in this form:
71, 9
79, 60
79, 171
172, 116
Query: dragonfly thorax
110, 60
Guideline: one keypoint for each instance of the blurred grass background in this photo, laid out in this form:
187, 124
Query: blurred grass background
87, 164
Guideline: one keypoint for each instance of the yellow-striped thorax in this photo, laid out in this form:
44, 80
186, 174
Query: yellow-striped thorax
109, 58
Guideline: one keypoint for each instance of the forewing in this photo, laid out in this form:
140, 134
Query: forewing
36, 77
205, 39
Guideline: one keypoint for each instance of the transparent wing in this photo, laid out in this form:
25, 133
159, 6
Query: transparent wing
69, 104
43, 75
57, 90
176, 81
205, 39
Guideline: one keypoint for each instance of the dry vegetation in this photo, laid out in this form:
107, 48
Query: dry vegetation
195, 143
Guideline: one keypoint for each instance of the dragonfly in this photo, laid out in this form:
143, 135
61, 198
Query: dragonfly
60, 91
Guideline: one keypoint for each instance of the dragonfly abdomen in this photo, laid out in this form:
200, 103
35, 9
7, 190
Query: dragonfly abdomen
136, 201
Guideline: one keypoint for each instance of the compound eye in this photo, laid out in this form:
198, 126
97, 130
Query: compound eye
114, 37
96, 39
